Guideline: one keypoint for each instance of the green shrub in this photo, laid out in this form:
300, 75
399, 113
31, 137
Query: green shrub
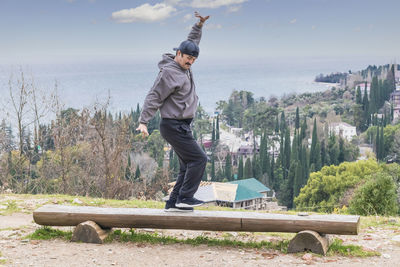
376, 197
325, 188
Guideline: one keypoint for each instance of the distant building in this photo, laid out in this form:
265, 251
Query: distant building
246, 151
343, 129
397, 73
395, 100
240, 194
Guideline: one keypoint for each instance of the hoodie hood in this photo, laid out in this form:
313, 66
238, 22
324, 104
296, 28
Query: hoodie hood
168, 60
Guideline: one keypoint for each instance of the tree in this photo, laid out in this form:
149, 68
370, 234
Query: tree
137, 173
248, 172
303, 129
217, 129
213, 167
297, 120
376, 197
128, 173
377, 143
240, 169
341, 156
287, 153
213, 132
228, 167
314, 141
374, 91
358, 96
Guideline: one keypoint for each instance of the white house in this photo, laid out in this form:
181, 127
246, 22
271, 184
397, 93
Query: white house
343, 129
395, 99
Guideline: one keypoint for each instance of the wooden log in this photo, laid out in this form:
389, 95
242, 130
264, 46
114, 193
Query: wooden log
89, 232
309, 241
58, 215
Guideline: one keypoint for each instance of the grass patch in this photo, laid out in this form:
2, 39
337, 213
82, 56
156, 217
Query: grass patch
11, 207
47, 233
381, 222
156, 238
2, 261
337, 248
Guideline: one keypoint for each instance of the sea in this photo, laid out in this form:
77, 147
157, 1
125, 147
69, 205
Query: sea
125, 83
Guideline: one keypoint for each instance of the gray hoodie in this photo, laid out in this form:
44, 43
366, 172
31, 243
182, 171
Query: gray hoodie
173, 91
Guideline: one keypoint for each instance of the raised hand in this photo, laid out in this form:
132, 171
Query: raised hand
202, 19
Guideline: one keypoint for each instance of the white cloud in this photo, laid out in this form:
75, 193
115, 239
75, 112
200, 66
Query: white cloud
313, 27
187, 17
232, 9
215, 3
143, 13
293, 21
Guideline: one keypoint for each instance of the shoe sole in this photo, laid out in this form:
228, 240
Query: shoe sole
184, 205
177, 210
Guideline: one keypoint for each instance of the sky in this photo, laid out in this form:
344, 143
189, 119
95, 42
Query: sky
56, 31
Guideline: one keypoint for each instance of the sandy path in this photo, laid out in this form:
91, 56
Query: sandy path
19, 252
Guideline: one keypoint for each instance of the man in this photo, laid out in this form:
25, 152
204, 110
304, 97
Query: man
174, 94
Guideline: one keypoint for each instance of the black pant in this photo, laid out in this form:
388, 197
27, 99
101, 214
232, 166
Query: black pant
192, 159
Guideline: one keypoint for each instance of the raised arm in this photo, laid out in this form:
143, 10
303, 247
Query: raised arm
195, 33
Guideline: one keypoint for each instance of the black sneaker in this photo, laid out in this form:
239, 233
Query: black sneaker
170, 207
188, 202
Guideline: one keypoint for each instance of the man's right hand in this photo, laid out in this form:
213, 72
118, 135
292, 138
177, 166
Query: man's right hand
143, 129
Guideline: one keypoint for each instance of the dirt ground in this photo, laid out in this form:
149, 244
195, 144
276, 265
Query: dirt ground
15, 250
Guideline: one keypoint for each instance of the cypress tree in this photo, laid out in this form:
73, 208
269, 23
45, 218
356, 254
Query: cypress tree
137, 173
366, 112
287, 154
248, 172
212, 168
228, 167
317, 157
298, 179
295, 150
283, 122
297, 121
333, 149
213, 132
303, 129
314, 142
341, 150
240, 168
217, 129
287, 192
373, 95
277, 125
271, 171
377, 143
257, 171
263, 152
128, 174
358, 96
382, 144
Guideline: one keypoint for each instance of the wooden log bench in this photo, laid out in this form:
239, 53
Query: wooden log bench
92, 223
